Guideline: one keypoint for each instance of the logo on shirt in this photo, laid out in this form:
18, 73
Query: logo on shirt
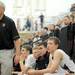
3, 24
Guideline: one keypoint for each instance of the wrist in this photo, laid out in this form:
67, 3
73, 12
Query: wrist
17, 53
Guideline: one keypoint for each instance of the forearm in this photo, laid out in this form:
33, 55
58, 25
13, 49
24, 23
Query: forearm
17, 46
22, 67
38, 72
41, 72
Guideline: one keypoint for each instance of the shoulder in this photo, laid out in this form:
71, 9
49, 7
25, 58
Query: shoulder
8, 19
58, 53
31, 57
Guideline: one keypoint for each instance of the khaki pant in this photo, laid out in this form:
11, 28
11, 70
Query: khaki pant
6, 61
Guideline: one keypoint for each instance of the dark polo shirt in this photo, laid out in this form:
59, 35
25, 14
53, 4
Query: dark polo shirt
8, 33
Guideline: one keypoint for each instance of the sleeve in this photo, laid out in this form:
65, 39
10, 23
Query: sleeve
14, 32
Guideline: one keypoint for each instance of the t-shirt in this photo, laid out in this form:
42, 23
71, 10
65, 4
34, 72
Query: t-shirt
31, 61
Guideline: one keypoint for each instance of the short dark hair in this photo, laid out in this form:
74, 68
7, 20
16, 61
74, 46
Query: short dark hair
27, 47
55, 39
34, 48
42, 43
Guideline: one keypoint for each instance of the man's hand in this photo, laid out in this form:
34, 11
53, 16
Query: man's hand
17, 44
22, 58
17, 59
31, 72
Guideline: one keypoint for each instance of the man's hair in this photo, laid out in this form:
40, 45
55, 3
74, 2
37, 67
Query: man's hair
55, 39
67, 16
34, 48
42, 43
27, 47
2, 5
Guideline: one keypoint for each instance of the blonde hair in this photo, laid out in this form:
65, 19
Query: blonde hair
2, 5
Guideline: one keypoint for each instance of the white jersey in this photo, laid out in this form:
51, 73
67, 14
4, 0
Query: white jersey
66, 61
31, 61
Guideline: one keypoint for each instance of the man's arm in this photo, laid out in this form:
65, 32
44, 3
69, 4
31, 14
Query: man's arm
17, 44
17, 48
53, 67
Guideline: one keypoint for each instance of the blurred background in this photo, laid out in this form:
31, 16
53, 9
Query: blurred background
52, 9
22, 10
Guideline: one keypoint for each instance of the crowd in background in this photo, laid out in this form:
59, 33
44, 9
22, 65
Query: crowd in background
64, 30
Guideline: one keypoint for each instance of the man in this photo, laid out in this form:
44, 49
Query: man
43, 60
41, 20
67, 34
40, 57
58, 59
9, 39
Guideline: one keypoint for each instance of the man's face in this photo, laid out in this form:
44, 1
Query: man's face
66, 21
1, 10
36, 53
24, 53
42, 50
51, 46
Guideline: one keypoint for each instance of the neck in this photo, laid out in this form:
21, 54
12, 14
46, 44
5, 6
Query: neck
52, 53
1, 17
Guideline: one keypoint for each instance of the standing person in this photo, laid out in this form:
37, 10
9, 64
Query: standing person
9, 39
36, 25
67, 34
28, 23
41, 20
